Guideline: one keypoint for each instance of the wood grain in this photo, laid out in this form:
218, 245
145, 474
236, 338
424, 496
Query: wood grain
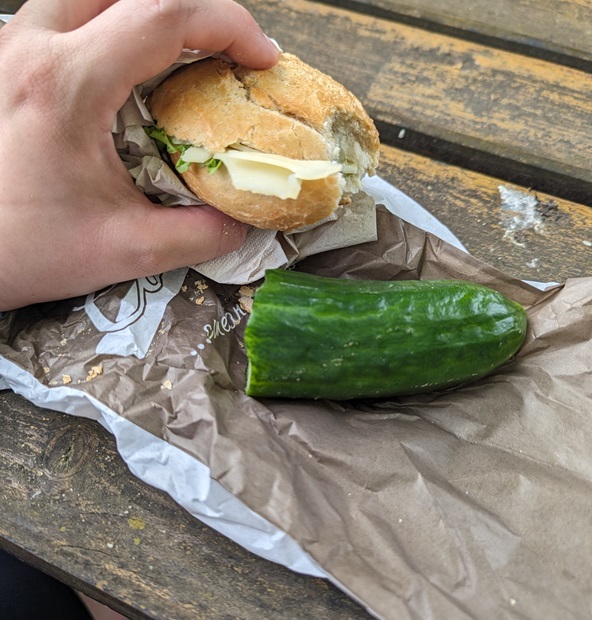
519, 110
470, 204
556, 26
70, 506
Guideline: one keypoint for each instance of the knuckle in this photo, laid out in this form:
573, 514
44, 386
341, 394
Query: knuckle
147, 257
164, 12
41, 82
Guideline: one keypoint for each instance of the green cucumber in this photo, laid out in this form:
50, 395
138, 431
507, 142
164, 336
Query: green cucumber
315, 337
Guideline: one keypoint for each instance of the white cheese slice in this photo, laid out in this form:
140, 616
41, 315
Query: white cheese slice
304, 169
266, 173
196, 155
273, 175
261, 178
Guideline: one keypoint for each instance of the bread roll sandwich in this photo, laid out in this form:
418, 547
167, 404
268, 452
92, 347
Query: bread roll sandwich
279, 149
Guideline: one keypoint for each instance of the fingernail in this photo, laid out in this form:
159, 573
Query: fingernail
275, 43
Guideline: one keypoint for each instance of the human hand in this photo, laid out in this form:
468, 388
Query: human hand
71, 219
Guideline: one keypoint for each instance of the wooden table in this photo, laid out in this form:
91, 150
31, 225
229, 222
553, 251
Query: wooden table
468, 97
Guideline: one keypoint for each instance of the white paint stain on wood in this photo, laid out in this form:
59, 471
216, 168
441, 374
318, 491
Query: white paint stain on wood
519, 214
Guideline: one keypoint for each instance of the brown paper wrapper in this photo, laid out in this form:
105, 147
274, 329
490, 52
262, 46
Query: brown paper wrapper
467, 503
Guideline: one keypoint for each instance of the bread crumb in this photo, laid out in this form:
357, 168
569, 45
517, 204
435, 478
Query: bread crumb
245, 294
94, 372
167, 385
66, 379
199, 301
246, 291
64, 342
246, 303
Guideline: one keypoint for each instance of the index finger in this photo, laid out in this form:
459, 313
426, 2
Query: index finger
134, 40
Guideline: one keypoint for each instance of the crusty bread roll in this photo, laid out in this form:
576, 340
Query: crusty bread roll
291, 110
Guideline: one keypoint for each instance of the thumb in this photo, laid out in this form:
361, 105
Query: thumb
154, 239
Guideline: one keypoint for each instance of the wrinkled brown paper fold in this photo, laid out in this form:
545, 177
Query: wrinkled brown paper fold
468, 503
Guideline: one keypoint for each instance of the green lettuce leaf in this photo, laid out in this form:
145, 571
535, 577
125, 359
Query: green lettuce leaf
212, 164
165, 141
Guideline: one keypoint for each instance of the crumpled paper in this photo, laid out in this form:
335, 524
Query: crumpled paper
464, 503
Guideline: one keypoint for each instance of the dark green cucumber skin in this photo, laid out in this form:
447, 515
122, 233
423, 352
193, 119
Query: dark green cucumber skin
315, 337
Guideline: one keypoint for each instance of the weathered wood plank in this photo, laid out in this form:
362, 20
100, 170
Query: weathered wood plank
70, 506
554, 246
508, 106
10, 6
556, 26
